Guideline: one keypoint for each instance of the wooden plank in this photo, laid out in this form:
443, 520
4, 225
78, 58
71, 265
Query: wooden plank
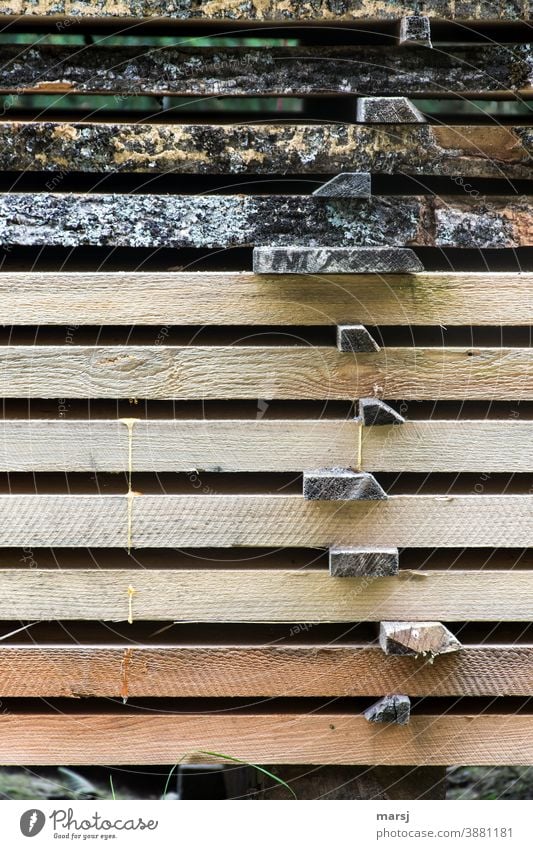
263, 595
93, 298
475, 151
178, 445
488, 70
268, 445
216, 372
141, 671
257, 11
471, 521
223, 221
278, 738
449, 446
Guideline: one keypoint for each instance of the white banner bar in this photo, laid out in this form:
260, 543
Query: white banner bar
242, 824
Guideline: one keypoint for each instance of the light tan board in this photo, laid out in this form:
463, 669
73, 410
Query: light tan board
463, 151
240, 445
178, 445
224, 372
449, 521
256, 11
232, 595
139, 671
264, 738
449, 446
230, 297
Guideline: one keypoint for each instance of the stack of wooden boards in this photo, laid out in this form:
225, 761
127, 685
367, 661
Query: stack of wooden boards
164, 584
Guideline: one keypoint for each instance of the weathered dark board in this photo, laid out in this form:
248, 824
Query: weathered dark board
487, 70
475, 151
222, 221
319, 11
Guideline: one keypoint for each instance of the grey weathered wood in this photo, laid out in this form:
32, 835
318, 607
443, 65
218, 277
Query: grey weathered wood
417, 638
322, 12
363, 561
388, 110
478, 70
374, 411
394, 708
341, 485
415, 31
355, 338
353, 184
271, 260
194, 221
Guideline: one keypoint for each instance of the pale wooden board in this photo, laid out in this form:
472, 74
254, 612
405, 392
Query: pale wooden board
262, 595
225, 372
268, 445
472, 521
256, 11
486, 70
140, 671
65, 219
462, 151
179, 445
278, 738
449, 446
94, 298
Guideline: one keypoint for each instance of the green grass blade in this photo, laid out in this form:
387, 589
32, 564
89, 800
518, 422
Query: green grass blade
254, 766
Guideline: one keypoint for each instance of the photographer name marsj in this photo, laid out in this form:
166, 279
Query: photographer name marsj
66, 825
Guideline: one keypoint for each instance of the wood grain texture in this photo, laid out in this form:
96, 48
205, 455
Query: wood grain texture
225, 372
268, 445
140, 671
471, 70
223, 221
178, 445
233, 595
264, 738
455, 446
466, 151
93, 298
256, 11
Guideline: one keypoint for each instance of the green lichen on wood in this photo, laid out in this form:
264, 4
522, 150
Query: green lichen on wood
219, 221
477, 151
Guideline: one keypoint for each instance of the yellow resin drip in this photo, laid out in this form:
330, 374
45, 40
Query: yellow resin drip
131, 592
130, 495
